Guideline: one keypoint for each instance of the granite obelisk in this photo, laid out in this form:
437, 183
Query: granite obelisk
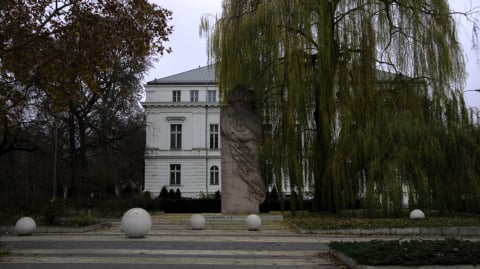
243, 189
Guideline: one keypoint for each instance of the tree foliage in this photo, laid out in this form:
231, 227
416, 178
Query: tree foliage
364, 98
74, 67
61, 47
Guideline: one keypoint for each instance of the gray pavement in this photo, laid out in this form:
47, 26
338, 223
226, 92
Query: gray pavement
225, 243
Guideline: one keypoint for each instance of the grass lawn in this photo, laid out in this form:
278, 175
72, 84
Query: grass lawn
317, 222
412, 252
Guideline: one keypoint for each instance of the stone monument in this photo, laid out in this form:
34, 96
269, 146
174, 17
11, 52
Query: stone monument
243, 189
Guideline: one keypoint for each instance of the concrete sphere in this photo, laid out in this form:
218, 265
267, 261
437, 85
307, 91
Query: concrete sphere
197, 222
417, 214
253, 222
25, 226
136, 223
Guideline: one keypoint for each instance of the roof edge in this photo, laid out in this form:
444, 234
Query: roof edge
197, 76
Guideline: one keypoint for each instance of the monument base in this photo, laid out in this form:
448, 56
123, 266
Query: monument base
232, 206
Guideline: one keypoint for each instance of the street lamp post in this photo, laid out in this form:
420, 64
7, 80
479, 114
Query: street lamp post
55, 149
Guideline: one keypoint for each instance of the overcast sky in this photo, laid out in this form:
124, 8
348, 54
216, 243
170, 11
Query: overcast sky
189, 50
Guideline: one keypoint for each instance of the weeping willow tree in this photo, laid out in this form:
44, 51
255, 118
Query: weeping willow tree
360, 99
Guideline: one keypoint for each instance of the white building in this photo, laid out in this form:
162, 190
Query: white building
183, 134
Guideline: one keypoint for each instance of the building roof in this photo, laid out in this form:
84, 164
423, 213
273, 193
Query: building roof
206, 75
200, 75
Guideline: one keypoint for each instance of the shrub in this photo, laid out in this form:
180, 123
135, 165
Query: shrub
83, 220
192, 206
52, 211
163, 192
284, 205
273, 194
171, 194
178, 194
411, 253
147, 195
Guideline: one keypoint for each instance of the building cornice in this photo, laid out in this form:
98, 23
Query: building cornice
166, 84
180, 104
175, 118
181, 157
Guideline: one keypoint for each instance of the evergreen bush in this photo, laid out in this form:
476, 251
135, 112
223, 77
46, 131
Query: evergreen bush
163, 192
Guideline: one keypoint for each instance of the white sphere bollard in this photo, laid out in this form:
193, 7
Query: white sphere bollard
197, 222
136, 223
25, 226
253, 222
417, 214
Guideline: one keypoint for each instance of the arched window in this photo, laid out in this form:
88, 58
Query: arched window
214, 175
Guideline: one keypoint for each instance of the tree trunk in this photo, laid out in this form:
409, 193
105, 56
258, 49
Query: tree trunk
73, 153
326, 65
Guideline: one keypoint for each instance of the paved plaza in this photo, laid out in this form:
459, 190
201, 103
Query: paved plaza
224, 243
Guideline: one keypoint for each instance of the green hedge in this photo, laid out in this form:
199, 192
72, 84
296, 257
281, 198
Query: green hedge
191, 206
47, 211
412, 252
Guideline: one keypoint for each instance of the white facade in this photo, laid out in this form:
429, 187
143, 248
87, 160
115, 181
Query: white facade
183, 134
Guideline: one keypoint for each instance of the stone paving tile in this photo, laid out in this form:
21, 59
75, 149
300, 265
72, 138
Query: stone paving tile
172, 244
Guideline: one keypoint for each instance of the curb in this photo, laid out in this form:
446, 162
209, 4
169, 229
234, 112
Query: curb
241, 217
57, 229
84, 229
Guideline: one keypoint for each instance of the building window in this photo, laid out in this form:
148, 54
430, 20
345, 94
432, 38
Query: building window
214, 136
176, 96
175, 174
175, 136
211, 96
194, 96
214, 175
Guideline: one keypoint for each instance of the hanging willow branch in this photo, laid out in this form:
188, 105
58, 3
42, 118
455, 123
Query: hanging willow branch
359, 96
